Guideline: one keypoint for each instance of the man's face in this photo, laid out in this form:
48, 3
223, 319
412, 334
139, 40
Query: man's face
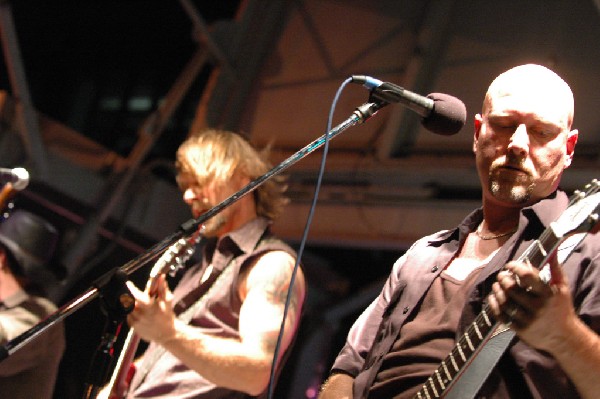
202, 197
522, 145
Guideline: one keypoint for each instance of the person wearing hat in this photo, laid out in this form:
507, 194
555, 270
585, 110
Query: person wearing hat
27, 244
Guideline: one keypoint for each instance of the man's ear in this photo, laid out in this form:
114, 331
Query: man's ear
477, 123
572, 137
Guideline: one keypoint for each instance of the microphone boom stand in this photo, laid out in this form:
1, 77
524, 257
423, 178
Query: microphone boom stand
360, 115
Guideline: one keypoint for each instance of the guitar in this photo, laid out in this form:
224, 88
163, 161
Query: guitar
580, 217
171, 261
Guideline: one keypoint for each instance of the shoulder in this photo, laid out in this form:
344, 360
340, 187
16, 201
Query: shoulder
269, 270
32, 304
271, 257
271, 264
434, 240
274, 244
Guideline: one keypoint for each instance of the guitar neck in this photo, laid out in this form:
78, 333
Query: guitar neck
483, 328
119, 383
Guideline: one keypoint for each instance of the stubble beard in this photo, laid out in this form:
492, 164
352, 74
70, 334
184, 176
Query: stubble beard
515, 191
214, 224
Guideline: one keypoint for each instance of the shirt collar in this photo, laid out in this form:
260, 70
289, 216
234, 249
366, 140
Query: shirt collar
247, 236
550, 208
546, 211
15, 299
243, 240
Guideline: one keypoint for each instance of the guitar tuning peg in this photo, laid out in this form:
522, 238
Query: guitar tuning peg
173, 270
593, 186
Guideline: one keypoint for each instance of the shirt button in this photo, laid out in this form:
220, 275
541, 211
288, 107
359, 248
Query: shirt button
434, 269
405, 310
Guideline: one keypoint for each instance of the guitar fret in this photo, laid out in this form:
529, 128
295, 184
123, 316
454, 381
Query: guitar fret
547, 243
462, 355
471, 347
487, 320
435, 392
427, 393
446, 371
541, 248
476, 328
440, 381
456, 368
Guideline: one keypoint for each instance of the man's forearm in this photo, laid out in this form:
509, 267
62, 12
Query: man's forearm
337, 386
579, 356
217, 359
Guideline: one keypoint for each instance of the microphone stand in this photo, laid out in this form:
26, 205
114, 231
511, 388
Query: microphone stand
111, 286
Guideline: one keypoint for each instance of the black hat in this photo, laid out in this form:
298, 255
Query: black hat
30, 239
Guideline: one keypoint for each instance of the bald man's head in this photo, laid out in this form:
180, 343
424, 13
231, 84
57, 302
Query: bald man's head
536, 86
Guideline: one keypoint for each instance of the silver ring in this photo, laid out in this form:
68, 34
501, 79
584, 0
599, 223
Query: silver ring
512, 312
529, 288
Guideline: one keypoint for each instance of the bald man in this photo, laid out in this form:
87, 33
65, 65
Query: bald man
523, 141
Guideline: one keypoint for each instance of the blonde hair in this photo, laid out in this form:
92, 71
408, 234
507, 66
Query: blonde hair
214, 156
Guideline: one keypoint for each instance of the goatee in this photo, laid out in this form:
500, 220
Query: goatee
516, 191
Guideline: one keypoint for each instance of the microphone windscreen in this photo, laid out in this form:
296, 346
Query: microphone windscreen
448, 115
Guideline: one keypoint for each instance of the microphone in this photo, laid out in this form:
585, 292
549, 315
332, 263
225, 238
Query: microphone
441, 113
18, 177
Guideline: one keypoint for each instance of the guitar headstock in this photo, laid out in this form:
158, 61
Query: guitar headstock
582, 213
175, 256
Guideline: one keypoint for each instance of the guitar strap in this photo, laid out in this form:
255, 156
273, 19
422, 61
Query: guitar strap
473, 377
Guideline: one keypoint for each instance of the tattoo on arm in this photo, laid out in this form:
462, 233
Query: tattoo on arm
276, 292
